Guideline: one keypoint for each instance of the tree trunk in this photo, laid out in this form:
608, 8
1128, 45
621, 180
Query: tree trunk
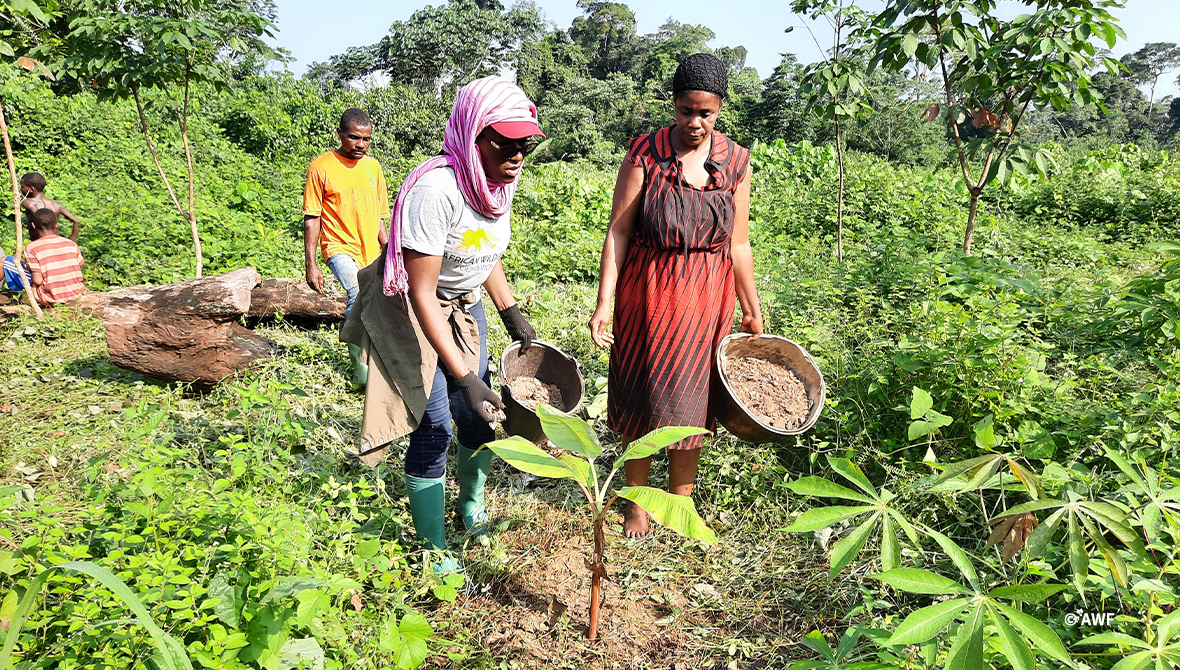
292, 299
187, 332
289, 298
188, 157
839, 196
164, 176
969, 237
16, 215
1151, 103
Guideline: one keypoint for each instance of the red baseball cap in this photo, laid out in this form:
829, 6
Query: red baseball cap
515, 130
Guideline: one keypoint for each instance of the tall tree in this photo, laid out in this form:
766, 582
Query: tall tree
994, 69
126, 47
443, 47
606, 33
834, 88
1148, 64
672, 43
780, 113
548, 64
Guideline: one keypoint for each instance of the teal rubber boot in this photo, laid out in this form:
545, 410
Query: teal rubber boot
473, 474
426, 508
360, 370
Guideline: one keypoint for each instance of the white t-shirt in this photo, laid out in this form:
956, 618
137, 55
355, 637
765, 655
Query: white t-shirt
437, 221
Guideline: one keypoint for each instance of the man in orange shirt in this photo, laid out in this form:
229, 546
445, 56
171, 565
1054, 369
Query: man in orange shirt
346, 214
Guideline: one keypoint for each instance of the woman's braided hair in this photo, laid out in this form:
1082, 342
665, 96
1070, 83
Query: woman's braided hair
701, 72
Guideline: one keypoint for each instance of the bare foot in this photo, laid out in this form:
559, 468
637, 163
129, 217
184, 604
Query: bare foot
635, 524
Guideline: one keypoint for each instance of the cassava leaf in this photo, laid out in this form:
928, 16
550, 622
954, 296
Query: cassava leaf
818, 518
849, 546
1012, 645
1044, 640
916, 580
890, 551
818, 487
923, 624
966, 652
1027, 593
852, 473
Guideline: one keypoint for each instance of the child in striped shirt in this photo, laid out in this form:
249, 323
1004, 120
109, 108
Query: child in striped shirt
54, 261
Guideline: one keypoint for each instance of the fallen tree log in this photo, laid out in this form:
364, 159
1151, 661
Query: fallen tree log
294, 300
288, 297
188, 331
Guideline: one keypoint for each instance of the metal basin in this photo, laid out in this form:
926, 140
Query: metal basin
737, 418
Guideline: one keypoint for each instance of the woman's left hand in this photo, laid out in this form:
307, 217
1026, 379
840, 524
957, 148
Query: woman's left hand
752, 324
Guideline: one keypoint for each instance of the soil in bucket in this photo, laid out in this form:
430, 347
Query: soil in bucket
530, 391
773, 392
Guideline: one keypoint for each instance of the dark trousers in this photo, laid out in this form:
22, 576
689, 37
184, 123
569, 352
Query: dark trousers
427, 455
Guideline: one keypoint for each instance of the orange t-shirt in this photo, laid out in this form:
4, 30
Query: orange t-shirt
350, 199
60, 263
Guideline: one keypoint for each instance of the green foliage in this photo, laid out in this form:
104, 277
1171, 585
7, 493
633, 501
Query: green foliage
122, 48
574, 435
881, 508
249, 559
169, 652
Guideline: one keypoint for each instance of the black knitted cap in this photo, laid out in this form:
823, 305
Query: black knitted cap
701, 72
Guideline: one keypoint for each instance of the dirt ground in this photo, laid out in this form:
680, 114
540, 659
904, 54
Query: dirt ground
529, 592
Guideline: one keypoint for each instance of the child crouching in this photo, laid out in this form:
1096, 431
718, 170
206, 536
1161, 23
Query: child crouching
54, 261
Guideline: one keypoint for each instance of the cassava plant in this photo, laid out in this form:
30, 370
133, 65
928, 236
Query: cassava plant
574, 435
878, 507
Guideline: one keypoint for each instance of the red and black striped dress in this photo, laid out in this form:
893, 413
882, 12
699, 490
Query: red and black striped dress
675, 297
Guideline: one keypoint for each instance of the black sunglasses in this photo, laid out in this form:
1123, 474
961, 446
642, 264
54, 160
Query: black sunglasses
509, 150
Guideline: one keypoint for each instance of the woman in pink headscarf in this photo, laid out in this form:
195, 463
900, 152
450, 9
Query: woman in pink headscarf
449, 227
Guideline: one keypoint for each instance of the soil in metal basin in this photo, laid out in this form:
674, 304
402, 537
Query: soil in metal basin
774, 393
530, 391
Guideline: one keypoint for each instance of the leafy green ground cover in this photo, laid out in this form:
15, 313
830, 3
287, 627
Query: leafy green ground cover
237, 519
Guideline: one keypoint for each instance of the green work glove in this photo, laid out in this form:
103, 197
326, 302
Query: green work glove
518, 327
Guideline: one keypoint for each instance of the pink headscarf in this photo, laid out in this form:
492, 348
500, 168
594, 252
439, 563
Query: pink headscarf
477, 106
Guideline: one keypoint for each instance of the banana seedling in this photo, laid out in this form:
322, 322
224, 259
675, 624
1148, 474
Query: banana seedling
574, 435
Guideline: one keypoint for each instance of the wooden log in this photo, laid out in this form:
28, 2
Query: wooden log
92, 303
294, 300
187, 331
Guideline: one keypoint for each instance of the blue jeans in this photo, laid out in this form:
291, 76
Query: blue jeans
426, 456
345, 267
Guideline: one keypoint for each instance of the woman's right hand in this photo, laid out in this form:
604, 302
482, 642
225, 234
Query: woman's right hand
600, 326
479, 397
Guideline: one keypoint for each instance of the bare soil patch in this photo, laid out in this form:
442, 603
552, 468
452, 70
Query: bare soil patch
530, 392
773, 392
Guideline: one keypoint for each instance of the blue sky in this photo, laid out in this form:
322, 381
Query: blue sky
313, 33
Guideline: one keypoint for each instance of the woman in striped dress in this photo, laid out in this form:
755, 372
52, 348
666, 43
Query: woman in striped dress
676, 254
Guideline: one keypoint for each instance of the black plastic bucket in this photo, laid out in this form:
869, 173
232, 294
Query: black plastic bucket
547, 364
